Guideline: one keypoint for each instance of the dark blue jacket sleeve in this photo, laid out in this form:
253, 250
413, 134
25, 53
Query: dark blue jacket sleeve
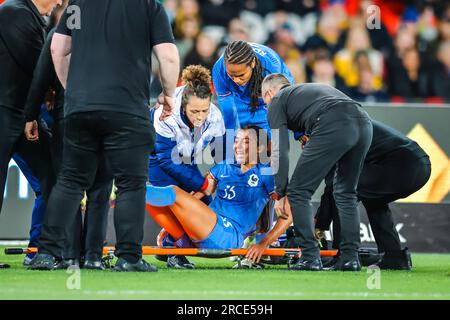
189, 176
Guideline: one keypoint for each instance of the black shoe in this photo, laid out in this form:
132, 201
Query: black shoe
306, 265
94, 265
4, 266
179, 262
369, 256
67, 263
345, 265
160, 257
123, 265
42, 261
395, 260
330, 262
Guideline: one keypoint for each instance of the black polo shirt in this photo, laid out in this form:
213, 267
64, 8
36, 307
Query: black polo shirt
110, 67
388, 143
21, 39
298, 106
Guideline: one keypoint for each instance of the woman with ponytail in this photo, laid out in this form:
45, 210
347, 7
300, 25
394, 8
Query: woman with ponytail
180, 139
237, 78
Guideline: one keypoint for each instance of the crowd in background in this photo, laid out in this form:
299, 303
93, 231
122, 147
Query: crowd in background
404, 58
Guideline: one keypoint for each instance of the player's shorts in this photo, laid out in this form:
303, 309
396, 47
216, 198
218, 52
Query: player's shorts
223, 236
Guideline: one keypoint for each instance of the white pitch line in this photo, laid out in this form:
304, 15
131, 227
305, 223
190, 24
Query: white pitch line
19, 243
233, 293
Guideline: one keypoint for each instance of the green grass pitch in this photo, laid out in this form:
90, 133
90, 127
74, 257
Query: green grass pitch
214, 279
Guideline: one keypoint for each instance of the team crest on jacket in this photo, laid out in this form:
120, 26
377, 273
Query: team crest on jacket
253, 180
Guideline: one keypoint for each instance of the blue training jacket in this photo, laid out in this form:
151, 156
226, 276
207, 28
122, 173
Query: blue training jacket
176, 142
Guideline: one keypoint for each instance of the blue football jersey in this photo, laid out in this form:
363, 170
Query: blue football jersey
235, 100
241, 197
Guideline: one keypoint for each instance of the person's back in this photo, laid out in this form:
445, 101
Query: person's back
387, 141
305, 102
111, 56
105, 67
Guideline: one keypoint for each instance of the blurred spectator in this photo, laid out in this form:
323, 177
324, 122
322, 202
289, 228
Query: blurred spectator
329, 31
203, 53
345, 60
282, 19
310, 34
260, 7
409, 19
404, 41
409, 79
283, 41
323, 71
443, 27
427, 26
237, 30
186, 35
444, 24
255, 24
220, 12
300, 7
295, 64
187, 9
171, 9
379, 37
441, 72
365, 91
336, 8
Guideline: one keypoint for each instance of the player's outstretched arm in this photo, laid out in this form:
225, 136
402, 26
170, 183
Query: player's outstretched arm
254, 253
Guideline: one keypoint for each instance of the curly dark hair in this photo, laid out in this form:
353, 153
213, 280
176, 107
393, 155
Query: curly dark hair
197, 80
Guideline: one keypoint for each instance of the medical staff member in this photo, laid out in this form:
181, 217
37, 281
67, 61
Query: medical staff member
341, 133
180, 139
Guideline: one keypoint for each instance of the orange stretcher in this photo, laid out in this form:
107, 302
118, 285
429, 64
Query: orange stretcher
206, 253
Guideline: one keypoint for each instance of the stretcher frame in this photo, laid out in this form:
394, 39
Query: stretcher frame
198, 252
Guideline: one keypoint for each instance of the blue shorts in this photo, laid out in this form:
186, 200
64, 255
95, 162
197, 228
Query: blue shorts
223, 236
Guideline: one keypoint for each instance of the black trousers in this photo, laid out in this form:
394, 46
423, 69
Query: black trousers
85, 237
36, 154
341, 138
126, 142
394, 177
